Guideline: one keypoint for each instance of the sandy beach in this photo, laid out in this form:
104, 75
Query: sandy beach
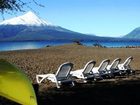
47, 60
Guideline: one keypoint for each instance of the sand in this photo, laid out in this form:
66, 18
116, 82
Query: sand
47, 60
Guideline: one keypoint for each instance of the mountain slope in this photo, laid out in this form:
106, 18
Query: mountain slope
135, 34
31, 27
42, 33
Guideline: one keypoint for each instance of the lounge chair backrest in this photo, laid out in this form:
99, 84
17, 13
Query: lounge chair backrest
103, 65
64, 70
115, 63
127, 61
88, 67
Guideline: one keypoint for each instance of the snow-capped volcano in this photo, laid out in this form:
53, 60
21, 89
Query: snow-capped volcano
29, 27
29, 19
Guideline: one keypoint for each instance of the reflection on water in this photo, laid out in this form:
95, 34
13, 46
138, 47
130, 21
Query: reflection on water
4, 46
7, 46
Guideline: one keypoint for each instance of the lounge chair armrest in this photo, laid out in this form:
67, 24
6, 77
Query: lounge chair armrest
108, 67
77, 73
40, 78
95, 70
121, 67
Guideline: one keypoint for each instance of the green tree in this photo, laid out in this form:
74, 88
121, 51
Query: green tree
8, 6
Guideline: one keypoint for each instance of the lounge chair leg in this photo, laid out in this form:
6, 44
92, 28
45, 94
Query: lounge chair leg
85, 81
120, 73
95, 79
57, 85
73, 84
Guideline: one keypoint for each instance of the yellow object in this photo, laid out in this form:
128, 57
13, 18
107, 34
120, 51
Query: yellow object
15, 85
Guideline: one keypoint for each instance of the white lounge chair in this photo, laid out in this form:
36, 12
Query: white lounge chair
61, 77
113, 67
124, 68
86, 72
100, 72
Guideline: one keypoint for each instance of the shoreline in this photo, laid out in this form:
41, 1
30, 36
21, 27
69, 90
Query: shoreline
21, 45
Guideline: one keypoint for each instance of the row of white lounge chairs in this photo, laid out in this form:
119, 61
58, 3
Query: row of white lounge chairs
64, 74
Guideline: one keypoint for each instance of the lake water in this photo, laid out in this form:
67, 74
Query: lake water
113, 43
7, 46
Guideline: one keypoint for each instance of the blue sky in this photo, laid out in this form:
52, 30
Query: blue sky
100, 17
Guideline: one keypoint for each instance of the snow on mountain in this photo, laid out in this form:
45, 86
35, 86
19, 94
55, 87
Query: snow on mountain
29, 19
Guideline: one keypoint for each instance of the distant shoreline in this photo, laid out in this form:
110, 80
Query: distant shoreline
9, 46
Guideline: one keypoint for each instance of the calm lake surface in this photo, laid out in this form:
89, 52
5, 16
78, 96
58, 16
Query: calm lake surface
8, 46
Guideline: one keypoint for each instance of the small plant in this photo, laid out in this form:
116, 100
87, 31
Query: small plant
78, 42
48, 46
98, 45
